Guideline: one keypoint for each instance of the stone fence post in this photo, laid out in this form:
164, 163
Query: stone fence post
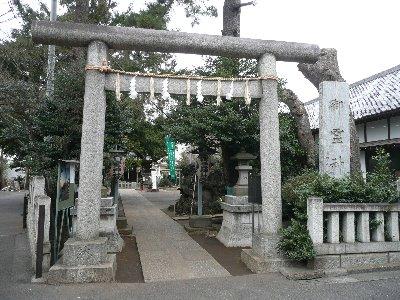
38, 197
315, 219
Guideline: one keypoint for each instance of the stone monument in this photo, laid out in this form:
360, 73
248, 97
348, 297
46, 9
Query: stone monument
237, 224
334, 129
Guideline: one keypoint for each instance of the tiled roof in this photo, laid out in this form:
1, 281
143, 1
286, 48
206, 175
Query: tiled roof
370, 96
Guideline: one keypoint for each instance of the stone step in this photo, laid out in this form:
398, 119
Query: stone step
104, 272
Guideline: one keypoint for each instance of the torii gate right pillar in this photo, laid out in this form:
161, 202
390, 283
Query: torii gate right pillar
264, 256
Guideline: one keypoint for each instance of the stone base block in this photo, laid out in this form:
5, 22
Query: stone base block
394, 257
125, 231
114, 242
107, 201
231, 237
364, 259
236, 200
104, 272
78, 252
325, 262
266, 245
258, 264
241, 190
122, 222
236, 229
200, 221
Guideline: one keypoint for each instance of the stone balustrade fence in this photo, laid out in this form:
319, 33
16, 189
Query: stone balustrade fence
127, 185
37, 197
347, 229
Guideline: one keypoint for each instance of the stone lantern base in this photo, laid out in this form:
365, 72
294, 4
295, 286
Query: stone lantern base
236, 229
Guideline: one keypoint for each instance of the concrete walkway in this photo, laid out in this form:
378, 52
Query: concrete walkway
166, 251
15, 263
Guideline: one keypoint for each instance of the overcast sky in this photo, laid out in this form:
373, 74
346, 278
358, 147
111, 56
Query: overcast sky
365, 32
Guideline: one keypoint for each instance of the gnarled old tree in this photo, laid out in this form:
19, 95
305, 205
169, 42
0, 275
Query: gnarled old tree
299, 113
327, 69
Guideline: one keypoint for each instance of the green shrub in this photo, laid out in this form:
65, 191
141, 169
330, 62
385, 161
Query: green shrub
213, 191
380, 186
165, 182
296, 243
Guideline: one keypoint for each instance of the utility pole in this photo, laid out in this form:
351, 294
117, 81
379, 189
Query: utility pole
51, 60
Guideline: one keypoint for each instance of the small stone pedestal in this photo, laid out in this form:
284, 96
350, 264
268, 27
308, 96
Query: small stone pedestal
236, 229
83, 262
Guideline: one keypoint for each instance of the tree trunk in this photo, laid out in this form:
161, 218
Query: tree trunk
231, 18
231, 27
81, 11
81, 16
327, 69
300, 116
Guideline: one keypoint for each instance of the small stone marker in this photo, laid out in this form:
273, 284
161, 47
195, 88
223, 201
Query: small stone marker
334, 129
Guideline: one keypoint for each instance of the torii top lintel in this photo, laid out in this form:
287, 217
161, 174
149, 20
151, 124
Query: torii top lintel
129, 38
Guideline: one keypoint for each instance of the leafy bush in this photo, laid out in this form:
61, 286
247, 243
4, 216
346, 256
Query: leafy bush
379, 186
165, 182
213, 190
296, 243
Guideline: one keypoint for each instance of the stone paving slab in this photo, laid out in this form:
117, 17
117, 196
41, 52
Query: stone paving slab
166, 251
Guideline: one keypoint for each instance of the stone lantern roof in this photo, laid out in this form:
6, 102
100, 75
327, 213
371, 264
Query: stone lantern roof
243, 157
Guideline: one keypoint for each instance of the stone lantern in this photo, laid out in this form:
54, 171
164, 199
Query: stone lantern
236, 229
241, 187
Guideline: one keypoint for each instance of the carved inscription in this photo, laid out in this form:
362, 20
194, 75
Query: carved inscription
337, 137
335, 104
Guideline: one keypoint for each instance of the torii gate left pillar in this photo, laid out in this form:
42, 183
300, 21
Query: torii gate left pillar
85, 257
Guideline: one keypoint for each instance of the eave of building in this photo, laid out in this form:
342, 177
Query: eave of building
372, 98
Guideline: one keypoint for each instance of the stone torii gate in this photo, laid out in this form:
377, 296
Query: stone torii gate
85, 257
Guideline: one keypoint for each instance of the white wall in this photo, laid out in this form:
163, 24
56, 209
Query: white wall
360, 132
363, 163
377, 130
395, 127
